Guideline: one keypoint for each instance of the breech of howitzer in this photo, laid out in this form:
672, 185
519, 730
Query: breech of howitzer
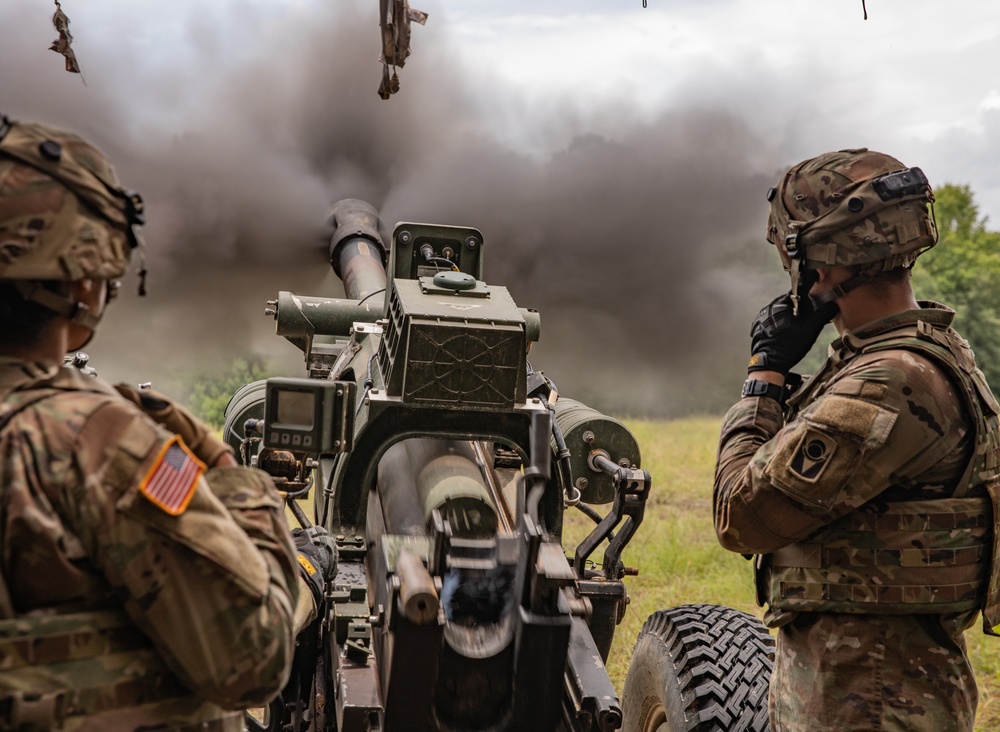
418, 476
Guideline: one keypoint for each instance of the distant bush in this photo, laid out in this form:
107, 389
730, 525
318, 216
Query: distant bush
208, 393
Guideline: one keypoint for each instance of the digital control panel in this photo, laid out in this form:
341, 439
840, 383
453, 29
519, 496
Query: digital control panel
309, 415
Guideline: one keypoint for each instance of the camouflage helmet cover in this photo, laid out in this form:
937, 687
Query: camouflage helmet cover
63, 212
851, 207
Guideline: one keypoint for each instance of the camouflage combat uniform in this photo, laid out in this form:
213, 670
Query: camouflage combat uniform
212, 587
873, 452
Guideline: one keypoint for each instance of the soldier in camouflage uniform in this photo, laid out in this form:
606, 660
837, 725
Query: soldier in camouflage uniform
146, 581
869, 495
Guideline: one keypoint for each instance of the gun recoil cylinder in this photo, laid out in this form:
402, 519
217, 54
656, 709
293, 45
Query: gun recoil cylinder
585, 429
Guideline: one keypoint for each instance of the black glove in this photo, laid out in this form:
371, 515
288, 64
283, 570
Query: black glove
779, 340
317, 558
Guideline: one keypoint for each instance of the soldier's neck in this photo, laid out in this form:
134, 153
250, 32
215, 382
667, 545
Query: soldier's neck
52, 345
867, 304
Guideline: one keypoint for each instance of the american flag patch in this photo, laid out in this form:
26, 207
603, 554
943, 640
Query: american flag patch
172, 480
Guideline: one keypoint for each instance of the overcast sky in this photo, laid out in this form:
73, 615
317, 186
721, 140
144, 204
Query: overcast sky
916, 80
617, 155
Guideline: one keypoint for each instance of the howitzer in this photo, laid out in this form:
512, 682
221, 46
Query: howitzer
442, 463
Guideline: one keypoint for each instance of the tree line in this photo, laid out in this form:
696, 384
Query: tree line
963, 272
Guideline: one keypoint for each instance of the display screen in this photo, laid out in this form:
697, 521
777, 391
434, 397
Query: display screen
295, 408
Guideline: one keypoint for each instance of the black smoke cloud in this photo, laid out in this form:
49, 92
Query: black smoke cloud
640, 247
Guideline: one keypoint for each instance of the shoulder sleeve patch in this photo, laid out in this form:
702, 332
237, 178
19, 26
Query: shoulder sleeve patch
815, 450
173, 477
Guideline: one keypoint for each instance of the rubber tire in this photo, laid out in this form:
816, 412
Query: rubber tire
699, 668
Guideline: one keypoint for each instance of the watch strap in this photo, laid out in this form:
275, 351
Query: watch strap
761, 388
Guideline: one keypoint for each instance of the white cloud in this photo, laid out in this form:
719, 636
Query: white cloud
810, 75
990, 101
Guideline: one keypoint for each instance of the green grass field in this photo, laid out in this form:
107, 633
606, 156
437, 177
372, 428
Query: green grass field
680, 561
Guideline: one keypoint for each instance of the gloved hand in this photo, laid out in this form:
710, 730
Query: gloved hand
779, 339
195, 434
317, 558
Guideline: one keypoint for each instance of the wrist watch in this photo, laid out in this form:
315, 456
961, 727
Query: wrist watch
758, 388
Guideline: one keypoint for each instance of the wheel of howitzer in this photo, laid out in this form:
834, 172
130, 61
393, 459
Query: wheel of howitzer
699, 668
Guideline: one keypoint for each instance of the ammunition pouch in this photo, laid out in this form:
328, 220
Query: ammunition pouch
906, 557
93, 671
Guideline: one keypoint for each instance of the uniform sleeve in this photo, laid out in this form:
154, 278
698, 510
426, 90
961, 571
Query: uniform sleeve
214, 586
885, 420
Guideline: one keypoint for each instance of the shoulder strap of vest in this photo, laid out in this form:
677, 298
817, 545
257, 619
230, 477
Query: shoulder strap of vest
954, 357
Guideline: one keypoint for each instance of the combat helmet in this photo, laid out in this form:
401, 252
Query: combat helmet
851, 207
64, 215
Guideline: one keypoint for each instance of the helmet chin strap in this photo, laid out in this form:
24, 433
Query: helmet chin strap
795, 272
862, 278
74, 311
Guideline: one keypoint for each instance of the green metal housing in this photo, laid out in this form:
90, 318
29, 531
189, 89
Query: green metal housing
461, 348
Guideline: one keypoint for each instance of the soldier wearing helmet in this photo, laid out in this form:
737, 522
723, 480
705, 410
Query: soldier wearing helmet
158, 577
867, 493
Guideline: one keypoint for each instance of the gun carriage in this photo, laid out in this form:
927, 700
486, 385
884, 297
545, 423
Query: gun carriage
441, 462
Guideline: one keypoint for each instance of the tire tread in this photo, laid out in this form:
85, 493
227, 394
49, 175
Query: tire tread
723, 660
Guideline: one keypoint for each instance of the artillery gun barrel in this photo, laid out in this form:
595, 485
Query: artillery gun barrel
357, 253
